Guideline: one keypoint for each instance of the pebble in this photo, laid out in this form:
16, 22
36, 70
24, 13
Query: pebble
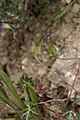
24, 62
75, 8
4, 60
68, 74
41, 72
68, 1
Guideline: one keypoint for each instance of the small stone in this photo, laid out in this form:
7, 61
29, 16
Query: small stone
20, 7
4, 61
73, 77
76, 20
66, 29
68, 74
23, 48
67, 19
68, 1
76, 8
34, 67
41, 72
3, 34
24, 63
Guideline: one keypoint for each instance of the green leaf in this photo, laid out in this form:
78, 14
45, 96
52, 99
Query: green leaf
38, 40
36, 50
52, 50
26, 96
7, 26
78, 117
27, 86
2, 90
26, 78
9, 83
4, 98
64, 11
70, 117
50, 42
32, 93
10, 119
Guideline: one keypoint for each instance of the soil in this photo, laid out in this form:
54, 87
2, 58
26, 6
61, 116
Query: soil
60, 76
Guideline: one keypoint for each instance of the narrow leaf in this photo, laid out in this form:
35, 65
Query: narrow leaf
26, 96
32, 93
10, 119
4, 98
52, 50
70, 117
9, 83
64, 11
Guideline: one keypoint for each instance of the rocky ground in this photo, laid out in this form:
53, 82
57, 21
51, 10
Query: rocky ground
56, 74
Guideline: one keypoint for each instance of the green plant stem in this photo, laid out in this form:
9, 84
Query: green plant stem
57, 17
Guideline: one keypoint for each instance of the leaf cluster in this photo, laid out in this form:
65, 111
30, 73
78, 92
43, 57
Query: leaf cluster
26, 108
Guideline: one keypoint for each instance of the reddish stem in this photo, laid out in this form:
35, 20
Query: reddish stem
54, 113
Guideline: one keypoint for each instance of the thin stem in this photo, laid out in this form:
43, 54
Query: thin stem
76, 58
54, 113
13, 33
52, 100
57, 17
73, 84
53, 72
